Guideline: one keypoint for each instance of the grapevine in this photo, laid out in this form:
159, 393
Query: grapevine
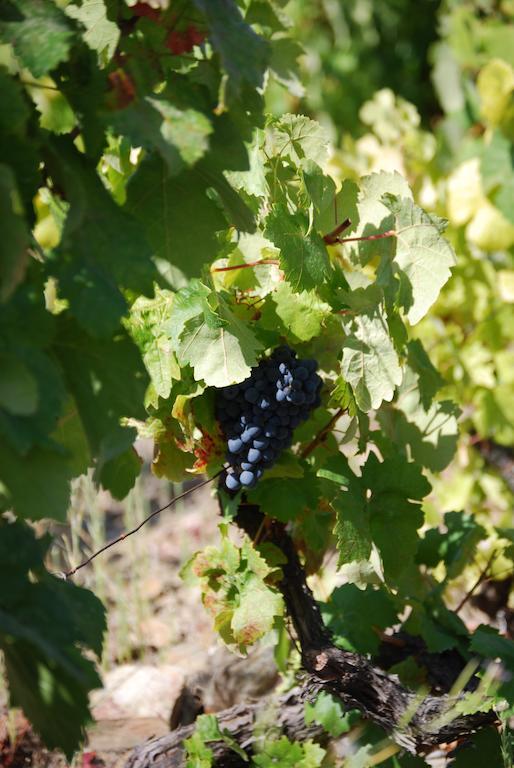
275, 243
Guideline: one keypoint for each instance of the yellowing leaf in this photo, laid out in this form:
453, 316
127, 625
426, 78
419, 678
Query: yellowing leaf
464, 192
489, 229
256, 612
495, 85
506, 285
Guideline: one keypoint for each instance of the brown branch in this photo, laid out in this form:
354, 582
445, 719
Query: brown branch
332, 237
260, 263
286, 714
380, 236
317, 439
478, 582
416, 724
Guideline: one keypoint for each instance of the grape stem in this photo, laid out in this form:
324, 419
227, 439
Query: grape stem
380, 236
317, 439
482, 577
332, 237
261, 262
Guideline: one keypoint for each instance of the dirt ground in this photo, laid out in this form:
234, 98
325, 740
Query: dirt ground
158, 632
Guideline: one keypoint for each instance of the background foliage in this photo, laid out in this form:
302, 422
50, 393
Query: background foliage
146, 147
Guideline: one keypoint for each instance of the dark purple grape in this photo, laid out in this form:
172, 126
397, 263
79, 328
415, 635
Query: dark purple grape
247, 478
254, 455
252, 395
235, 445
258, 416
230, 393
250, 433
232, 483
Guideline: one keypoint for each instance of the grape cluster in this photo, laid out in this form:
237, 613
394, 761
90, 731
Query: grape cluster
259, 415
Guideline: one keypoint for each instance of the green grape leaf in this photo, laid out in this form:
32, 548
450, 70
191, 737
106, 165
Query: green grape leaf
18, 387
296, 138
97, 231
170, 461
244, 54
285, 498
376, 185
429, 380
94, 297
220, 348
430, 431
180, 136
370, 216
455, 547
11, 93
423, 258
352, 527
440, 628
25, 431
40, 34
162, 365
102, 35
168, 226
302, 313
282, 753
101, 399
358, 616
47, 494
488, 643
47, 674
283, 63
329, 713
370, 362
207, 729
384, 498
303, 255
495, 162
15, 236
118, 465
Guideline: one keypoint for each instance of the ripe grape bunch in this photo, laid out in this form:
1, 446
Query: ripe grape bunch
259, 415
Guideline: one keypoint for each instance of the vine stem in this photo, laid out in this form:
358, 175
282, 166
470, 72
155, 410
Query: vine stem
380, 236
332, 237
260, 263
481, 578
69, 574
317, 439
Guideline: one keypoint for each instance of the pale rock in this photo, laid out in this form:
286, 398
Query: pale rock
143, 691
